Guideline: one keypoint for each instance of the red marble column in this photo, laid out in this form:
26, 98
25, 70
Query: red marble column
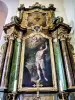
6, 69
70, 52
4, 49
67, 63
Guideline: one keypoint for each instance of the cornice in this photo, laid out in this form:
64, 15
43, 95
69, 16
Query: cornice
37, 6
63, 25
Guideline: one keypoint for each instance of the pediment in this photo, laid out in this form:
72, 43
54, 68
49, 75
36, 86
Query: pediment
36, 16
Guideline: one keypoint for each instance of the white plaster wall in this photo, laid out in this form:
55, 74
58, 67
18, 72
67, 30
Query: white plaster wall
69, 6
12, 10
3, 15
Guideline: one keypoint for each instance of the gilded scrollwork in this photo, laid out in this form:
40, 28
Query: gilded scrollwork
63, 33
50, 17
38, 17
37, 5
24, 22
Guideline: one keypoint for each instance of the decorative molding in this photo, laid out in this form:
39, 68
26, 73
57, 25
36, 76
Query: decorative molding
63, 25
37, 5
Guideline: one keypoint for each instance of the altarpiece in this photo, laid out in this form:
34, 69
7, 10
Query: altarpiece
37, 57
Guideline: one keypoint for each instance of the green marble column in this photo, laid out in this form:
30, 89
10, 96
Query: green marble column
15, 64
59, 66
6, 69
4, 49
67, 63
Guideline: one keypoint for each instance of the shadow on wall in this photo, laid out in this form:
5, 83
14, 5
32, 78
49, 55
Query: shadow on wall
3, 15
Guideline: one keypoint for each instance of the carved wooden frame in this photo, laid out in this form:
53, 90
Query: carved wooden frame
34, 89
49, 16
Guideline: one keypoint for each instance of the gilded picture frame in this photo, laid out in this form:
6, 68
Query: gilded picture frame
37, 86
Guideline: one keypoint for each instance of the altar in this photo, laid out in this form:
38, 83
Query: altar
38, 59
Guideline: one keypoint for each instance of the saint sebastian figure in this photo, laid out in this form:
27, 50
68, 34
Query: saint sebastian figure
40, 61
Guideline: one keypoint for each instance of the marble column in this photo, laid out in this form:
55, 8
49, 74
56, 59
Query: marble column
15, 64
59, 65
67, 64
8, 58
4, 48
21, 64
70, 52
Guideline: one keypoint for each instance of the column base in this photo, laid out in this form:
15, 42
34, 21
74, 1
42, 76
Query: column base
63, 95
3, 94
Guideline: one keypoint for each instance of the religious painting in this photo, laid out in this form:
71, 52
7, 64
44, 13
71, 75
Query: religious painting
34, 97
36, 18
37, 66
